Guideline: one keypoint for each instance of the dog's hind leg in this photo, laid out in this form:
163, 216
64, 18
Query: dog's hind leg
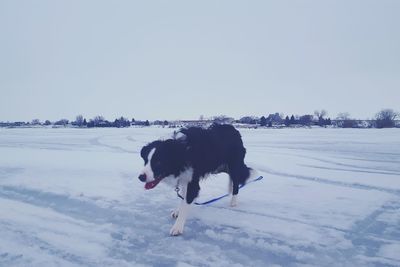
238, 173
233, 188
235, 191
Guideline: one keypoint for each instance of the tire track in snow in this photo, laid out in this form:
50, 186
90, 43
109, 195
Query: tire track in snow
137, 230
131, 139
352, 166
355, 167
261, 246
96, 142
363, 233
6, 172
35, 242
124, 223
367, 160
336, 151
82, 209
330, 182
349, 170
281, 218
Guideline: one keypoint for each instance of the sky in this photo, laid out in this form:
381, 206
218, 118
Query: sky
183, 59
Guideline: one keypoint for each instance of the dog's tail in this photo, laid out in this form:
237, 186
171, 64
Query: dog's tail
247, 173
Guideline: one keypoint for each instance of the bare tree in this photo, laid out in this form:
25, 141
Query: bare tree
62, 122
343, 116
343, 120
222, 119
306, 120
263, 121
275, 118
35, 122
79, 120
320, 114
385, 118
98, 119
249, 120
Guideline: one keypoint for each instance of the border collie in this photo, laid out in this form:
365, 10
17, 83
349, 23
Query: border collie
192, 154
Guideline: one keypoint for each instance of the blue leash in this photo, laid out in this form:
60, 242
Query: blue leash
217, 198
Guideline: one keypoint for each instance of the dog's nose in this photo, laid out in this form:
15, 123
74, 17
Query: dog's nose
142, 177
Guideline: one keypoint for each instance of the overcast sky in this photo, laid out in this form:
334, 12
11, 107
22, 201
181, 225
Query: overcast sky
182, 59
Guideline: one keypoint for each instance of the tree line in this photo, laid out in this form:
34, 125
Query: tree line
385, 118
81, 122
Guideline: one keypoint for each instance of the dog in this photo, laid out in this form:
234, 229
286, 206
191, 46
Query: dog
191, 155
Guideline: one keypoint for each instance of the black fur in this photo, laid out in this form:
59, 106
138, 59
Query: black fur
216, 149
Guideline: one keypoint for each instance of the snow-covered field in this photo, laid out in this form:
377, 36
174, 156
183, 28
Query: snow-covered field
71, 197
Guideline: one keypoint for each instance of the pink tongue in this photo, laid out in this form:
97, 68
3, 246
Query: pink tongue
152, 184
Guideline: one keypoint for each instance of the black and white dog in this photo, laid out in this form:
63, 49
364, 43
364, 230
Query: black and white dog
191, 155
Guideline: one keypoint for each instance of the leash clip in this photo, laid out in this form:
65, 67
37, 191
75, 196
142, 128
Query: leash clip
177, 187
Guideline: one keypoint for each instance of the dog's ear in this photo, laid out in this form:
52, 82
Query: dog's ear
176, 151
147, 148
174, 146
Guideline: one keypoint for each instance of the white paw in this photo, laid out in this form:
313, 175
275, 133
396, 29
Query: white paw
234, 201
175, 213
177, 229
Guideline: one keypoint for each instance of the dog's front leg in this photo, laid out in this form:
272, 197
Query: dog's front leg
191, 193
177, 229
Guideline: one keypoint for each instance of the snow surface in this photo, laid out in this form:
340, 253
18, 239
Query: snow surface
71, 197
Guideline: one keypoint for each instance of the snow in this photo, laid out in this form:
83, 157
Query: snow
71, 197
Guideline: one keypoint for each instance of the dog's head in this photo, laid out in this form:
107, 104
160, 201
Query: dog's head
161, 159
